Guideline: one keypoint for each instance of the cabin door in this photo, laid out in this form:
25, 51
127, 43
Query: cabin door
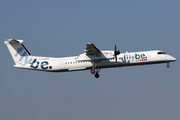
62, 64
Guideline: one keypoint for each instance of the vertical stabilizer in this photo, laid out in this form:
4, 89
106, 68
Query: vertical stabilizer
18, 51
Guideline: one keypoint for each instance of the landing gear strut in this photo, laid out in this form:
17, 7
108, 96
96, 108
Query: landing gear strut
97, 73
93, 71
167, 65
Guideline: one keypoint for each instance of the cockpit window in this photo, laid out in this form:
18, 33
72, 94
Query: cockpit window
161, 53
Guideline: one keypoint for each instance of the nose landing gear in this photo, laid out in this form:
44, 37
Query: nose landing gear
167, 65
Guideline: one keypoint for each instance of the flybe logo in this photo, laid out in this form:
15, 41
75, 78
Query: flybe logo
34, 64
44, 64
23, 55
136, 57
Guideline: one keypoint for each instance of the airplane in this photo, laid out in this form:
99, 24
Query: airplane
93, 59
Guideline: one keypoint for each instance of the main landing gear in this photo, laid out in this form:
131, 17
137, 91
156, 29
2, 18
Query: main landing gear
96, 72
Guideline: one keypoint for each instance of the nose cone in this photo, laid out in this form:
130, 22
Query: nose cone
172, 59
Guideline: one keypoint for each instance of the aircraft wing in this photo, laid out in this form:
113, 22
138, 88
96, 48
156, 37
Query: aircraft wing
92, 54
92, 50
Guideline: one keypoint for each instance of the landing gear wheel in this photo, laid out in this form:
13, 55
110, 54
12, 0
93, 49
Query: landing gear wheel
93, 71
96, 75
167, 65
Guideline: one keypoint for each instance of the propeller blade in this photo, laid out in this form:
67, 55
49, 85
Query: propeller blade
116, 52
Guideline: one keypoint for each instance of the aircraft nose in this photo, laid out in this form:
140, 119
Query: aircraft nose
173, 59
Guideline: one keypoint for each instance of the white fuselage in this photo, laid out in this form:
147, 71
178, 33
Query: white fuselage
92, 59
84, 62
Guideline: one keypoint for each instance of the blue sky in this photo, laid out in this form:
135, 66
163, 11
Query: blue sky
60, 28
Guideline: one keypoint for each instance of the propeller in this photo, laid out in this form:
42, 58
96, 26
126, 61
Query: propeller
116, 53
